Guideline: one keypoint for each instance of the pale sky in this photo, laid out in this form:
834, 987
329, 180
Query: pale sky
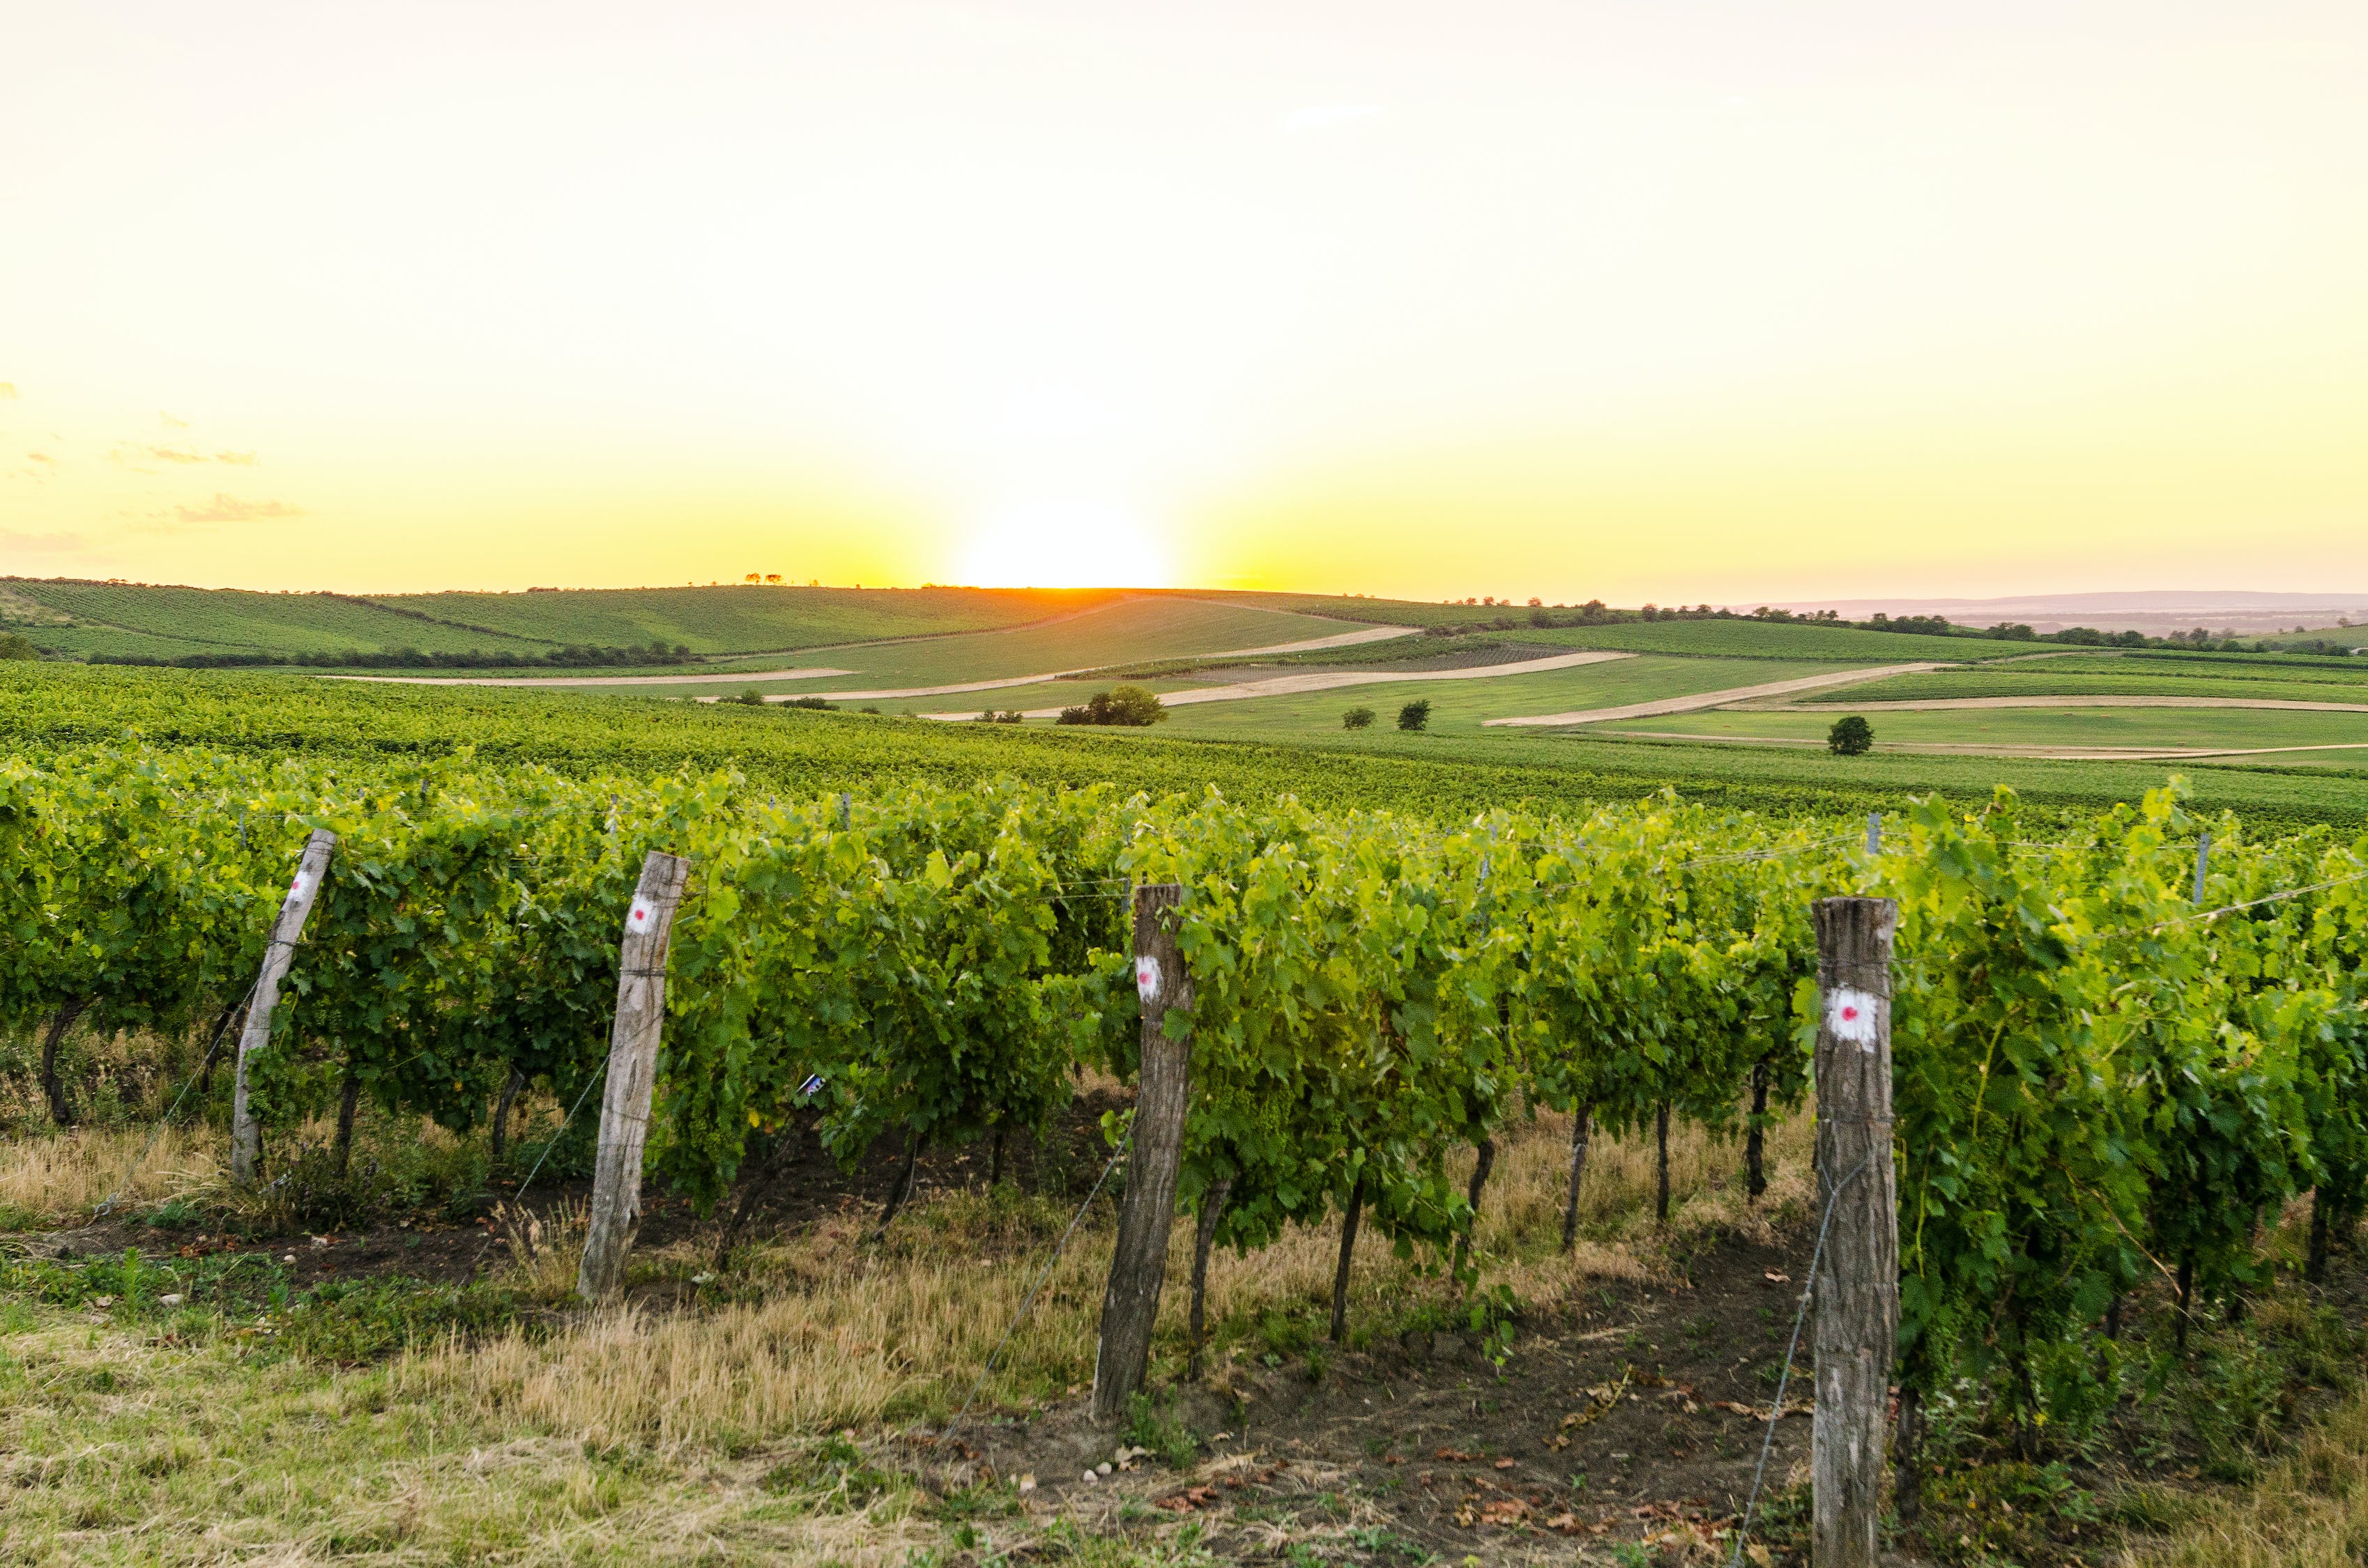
1644, 302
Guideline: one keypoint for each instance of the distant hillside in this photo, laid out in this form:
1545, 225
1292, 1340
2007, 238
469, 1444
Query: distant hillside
85, 618
2157, 614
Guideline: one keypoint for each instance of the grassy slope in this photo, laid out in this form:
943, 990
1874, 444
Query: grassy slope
1440, 774
235, 620
1110, 634
2046, 726
138, 619
745, 618
1773, 639
1460, 705
2039, 680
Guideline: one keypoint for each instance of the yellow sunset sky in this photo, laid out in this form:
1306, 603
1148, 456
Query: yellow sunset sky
1671, 301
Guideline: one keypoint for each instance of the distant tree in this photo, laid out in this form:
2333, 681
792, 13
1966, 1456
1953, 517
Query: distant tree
17, 645
1357, 719
1013, 716
818, 704
752, 696
1415, 715
1132, 707
1852, 736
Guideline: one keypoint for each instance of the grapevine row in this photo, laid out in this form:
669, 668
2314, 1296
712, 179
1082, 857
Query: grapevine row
2099, 1079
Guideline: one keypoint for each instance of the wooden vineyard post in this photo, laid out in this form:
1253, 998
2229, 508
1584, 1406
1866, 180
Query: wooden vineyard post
1139, 1265
287, 930
632, 1065
1857, 1283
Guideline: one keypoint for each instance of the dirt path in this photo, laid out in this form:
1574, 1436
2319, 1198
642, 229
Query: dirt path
1331, 680
1702, 699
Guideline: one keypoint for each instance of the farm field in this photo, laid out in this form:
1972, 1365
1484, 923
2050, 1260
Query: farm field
2215, 728
2051, 680
166, 621
1462, 706
1123, 631
745, 617
120, 618
1453, 771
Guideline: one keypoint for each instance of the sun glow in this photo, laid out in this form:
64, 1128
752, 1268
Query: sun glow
1065, 542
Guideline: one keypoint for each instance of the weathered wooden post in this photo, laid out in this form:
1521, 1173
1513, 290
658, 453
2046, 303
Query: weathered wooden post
633, 1066
1139, 1266
1857, 1282
245, 1136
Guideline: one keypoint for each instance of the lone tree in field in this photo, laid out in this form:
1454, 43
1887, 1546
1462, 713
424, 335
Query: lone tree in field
1357, 719
1852, 736
1415, 715
1132, 706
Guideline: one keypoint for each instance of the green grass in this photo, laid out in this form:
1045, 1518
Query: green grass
1449, 773
1459, 707
2045, 680
1115, 633
232, 619
1775, 640
2224, 666
739, 619
164, 621
2042, 727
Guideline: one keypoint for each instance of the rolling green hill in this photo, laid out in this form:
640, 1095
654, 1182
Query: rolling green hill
82, 619
743, 619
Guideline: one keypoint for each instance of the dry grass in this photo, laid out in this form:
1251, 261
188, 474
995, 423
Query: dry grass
843, 1333
2310, 1511
649, 1434
68, 1174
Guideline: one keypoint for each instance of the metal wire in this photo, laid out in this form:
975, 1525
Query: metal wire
1776, 1412
1029, 1300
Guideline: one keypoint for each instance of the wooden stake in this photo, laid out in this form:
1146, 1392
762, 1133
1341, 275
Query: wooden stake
1580, 1121
1139, 1266
287, 930
632, 1065
1857, 1283
1212, 1206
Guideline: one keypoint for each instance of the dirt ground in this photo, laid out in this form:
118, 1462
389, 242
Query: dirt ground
1641, 1420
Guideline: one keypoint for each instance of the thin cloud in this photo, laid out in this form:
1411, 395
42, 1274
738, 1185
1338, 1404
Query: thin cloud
42, 544
232, 509
7, 391
41, 457
243, 459
1325, 116
170, 422
131, 454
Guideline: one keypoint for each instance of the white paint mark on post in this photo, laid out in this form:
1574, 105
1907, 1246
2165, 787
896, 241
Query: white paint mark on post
1146, 977
1849, 1015
638, 917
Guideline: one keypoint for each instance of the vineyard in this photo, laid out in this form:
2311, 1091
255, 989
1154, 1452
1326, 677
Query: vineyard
2120, 1045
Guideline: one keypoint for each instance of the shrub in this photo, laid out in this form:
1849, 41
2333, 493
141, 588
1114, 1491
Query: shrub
1852, 736
752, 696
817, 703
1357, 719
1415, 715
17, 645
1128, 705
